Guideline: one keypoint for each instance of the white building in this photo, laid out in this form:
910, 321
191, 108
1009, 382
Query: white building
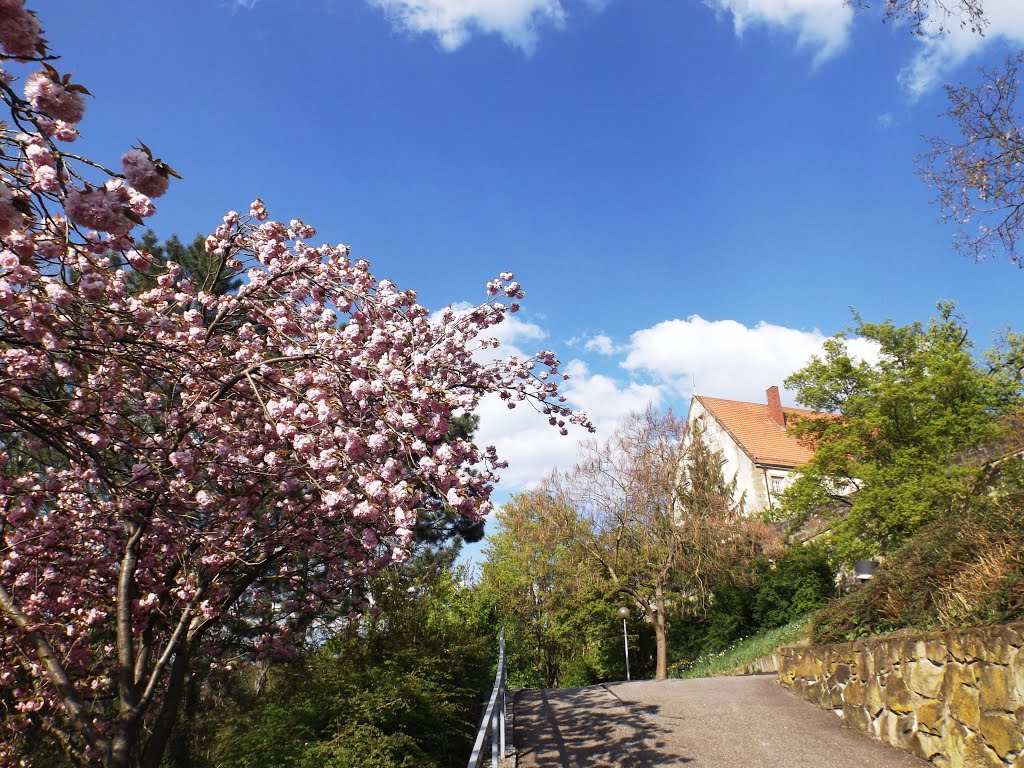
756, 449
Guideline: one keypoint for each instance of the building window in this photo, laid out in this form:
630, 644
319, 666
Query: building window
778, 484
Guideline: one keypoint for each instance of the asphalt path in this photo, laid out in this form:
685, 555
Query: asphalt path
720, 722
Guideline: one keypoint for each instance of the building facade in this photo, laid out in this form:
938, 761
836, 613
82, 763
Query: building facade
757, 451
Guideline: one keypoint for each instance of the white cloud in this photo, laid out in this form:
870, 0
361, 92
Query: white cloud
885, 120
725, 358
533, 447
821, 25
942, 52
453, 21
601, 344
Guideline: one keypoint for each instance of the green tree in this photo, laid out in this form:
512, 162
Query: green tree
559, 619
656, 517
889, 460
400, 688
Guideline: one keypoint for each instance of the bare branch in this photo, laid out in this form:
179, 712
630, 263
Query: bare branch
979, 178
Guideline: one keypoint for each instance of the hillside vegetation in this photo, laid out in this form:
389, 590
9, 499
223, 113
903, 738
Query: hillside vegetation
965, 568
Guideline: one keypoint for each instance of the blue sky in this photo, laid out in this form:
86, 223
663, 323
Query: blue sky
688, 191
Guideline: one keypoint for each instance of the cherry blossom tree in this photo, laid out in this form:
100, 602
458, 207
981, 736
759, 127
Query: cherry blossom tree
173, 461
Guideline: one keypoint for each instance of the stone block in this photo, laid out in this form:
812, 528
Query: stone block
955, 645
995, 688
970, 673
854, 693
819, 694
1001, 733
786, 674
954, 677
882, 724
927, 746
904, 732
931, 715
835, 697
937, 651
964, 706
927, 679
974, 754
882, 662
875, 697
857, 717
864, 663
841, 675
1015, 634
1016, 669
998, 649
897, 696
953, 739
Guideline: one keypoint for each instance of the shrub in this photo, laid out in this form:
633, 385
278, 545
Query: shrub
966, 568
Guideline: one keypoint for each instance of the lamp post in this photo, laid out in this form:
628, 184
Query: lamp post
624, 613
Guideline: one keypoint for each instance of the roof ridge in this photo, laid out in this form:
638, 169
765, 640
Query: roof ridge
757, 434
760, 405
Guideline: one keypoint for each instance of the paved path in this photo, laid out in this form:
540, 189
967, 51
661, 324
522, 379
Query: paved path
722, 722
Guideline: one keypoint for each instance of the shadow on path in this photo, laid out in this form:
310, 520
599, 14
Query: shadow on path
720, 722
592, 727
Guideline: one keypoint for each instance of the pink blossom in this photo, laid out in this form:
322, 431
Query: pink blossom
139, 260
368, 539
97, 209
51, 97
46, 179
19, 30
143, 173
303, 415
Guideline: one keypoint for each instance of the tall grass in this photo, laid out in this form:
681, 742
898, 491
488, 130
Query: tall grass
741, 655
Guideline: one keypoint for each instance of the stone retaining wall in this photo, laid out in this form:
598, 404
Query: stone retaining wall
955, 698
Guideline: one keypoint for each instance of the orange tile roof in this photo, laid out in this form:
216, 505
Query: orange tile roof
755, 432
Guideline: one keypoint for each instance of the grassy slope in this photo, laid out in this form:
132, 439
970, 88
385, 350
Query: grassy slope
742, 654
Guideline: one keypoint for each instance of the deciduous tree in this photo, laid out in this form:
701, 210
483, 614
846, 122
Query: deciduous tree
657, 515
979, 177
890, 461
549, 597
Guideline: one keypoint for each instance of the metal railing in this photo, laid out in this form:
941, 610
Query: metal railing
493, 723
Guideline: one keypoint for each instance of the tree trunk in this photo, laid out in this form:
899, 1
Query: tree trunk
165, 721
660, 635
661, 671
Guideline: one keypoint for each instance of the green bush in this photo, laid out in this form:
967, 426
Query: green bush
400, 689
771, 594
797, 583
366, 746
966, 568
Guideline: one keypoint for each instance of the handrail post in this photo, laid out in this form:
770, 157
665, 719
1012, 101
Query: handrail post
495, 743
504, 717
493, 721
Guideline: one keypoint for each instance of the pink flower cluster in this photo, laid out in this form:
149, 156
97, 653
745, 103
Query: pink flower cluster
50, 96
19, 30
143, 173
98, 209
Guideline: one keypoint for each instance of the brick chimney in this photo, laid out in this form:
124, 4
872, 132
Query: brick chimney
775, 407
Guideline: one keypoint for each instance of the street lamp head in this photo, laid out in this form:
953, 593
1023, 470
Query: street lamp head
624, 612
